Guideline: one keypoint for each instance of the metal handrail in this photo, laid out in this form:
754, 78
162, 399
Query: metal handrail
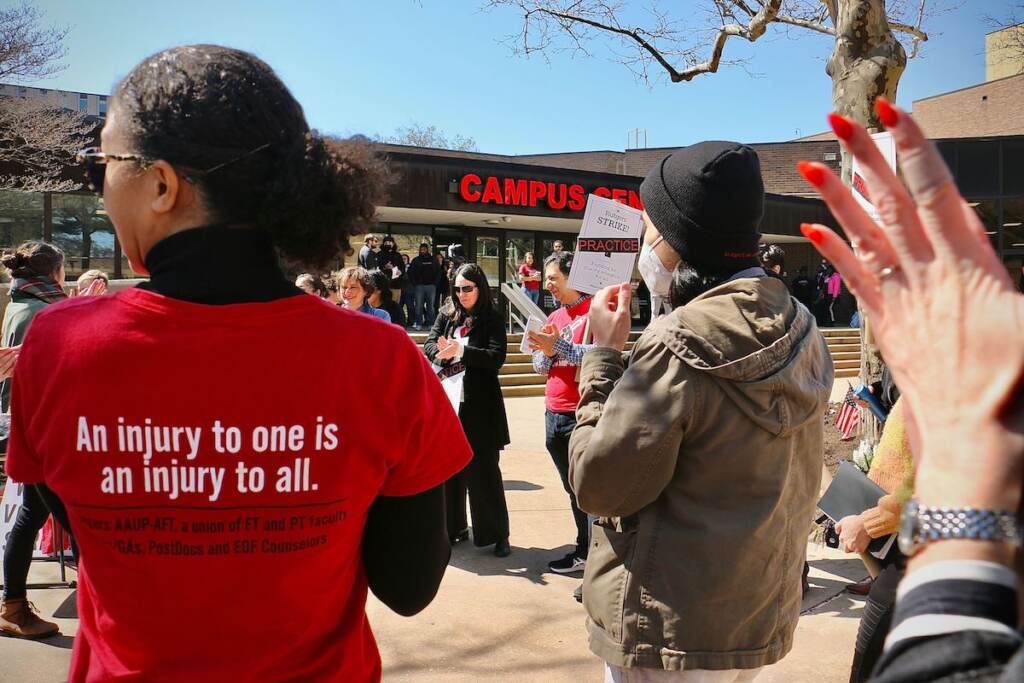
521, 306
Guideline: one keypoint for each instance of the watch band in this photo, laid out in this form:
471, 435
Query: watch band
927, 524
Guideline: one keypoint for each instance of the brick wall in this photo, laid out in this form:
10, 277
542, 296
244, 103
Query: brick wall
994, 108
600, 161
778, 162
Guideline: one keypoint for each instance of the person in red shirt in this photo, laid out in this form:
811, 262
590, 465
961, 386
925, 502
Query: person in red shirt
225, 533
530, 277
557, 353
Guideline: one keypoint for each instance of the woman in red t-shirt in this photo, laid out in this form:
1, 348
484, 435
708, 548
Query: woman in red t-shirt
530, 277
225, 533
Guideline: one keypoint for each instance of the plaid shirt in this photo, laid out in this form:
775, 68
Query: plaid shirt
565, 351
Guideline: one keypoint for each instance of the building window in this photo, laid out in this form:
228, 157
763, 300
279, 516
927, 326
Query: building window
1013, 225
83, 102
103, 106
978, 167
988, 212
1013, 167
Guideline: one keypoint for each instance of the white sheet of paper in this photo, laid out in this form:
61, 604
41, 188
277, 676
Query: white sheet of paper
10, 503
533, 324
453, 389
887, 146
885, 548
619, 228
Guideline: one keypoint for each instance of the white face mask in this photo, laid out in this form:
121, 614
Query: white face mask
656, 276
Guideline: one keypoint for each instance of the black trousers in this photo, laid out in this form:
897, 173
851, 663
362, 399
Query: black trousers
481, 479
557, 430
18, 553
877, 618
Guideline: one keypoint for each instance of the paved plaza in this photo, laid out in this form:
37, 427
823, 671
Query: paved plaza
508, 619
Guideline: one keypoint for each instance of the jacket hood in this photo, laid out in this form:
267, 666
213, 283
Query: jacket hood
760, 346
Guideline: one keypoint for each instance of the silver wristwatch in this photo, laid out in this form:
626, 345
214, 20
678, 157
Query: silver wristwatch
920, 525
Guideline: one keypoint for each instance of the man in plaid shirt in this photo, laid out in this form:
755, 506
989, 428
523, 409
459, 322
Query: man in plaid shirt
558, 350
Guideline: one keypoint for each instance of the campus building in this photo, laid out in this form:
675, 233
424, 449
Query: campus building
493, 208
91, 104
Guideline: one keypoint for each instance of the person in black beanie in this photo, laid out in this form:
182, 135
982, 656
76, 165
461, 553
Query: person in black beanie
702, 458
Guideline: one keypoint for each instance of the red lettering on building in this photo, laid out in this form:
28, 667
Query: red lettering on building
492, 192
465, 192
516, 192
560, 191
531, 193
537, 191
577, 198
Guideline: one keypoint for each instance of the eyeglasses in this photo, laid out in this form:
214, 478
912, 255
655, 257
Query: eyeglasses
465, 290
95, 163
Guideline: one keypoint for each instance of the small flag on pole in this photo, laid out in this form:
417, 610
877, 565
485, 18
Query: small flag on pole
848, 418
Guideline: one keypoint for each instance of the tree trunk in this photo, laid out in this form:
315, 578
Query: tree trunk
867, 62
86, 247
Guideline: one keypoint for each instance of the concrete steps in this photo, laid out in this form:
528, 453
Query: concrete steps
518, 379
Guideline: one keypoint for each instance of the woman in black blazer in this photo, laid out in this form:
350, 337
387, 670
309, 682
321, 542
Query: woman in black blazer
470, 333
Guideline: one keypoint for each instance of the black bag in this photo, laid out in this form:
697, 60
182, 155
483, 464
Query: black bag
829, 531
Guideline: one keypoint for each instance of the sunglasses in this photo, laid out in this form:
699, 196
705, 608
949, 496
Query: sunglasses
95, 163
465, 290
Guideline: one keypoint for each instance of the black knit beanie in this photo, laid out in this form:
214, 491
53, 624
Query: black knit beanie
707, 200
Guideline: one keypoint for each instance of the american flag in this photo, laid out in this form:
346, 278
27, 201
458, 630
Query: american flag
848, 418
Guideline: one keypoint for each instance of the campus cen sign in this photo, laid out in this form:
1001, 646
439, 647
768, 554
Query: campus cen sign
527, 192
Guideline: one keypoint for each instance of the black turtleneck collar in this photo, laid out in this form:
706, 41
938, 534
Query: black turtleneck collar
217, 265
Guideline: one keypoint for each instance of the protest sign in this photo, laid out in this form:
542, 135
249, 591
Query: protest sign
887, 146
608, 245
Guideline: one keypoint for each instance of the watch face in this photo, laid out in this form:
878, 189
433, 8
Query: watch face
908, 528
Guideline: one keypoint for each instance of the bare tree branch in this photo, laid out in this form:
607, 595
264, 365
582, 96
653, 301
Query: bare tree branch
28, 52
670, 45
419, 135
38, 142
1010, 42
804, 23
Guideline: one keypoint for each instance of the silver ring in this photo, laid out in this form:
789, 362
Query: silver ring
887, 271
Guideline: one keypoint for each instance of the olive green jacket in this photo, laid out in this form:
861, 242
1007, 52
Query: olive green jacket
703, 460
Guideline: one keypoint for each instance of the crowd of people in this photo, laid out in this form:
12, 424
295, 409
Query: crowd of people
692, 464
411, 291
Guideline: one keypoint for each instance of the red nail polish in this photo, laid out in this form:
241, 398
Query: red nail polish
887, 114
811, 172
812, 233
840, 126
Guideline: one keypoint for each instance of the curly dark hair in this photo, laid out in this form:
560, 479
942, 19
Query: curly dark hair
228, 123
563, 259
771, 255
33, 259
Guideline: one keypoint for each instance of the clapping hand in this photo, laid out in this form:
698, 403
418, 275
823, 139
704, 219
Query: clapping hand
8, 357
446, 348
543, 340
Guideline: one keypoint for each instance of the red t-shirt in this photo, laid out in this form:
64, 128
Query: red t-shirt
217, 464
562, 391
526, 271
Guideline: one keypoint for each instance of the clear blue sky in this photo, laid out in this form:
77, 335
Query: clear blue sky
371, 67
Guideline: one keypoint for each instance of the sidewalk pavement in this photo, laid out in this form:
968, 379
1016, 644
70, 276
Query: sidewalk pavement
510, 619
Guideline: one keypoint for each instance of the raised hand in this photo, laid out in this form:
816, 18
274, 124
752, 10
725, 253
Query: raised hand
943, 310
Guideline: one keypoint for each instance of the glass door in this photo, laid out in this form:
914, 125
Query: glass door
488, 256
